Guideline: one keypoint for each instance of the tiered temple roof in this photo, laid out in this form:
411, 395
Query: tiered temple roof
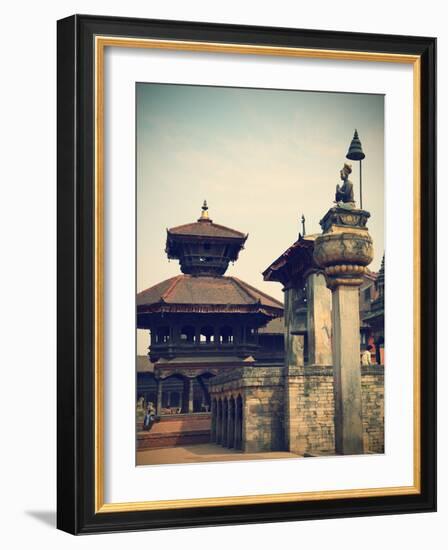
186, 293
206, 228
204, 250
202, 316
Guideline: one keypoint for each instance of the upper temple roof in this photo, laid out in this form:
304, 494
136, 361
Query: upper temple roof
206, 229
186, 293
204, 248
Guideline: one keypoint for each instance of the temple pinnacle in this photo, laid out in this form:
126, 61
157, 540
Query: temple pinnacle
204, 213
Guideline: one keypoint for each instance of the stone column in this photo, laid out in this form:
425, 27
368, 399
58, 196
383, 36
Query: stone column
249, 443
225, 417
344, 250
318, 299
213, 427
238, 425
218, 421
295, 326
236, 434
231, 424
347, 371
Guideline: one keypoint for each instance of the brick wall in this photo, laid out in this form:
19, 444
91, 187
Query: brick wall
263, 428
293, 409
262, 393
372, 381
312, 387
314, 410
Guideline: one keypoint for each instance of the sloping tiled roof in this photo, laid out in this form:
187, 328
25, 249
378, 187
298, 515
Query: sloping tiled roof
291, 255
206, 229
275, 326
144, 364
185, 293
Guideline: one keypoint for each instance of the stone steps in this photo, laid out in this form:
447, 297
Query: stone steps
175, 430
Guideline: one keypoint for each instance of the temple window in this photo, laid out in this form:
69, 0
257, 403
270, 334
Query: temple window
226, 335
162, 335
251, 334
187, 334
206, 335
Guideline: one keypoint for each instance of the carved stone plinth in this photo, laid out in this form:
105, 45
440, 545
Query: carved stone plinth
345, 248
343, 251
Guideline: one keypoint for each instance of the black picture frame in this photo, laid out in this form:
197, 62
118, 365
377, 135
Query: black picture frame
76, 272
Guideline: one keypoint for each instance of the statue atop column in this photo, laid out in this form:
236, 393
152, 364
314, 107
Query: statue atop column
344, 193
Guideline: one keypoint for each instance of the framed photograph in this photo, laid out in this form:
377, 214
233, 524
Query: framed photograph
246, 274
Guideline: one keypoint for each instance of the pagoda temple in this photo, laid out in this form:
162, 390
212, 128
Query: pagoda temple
201, 322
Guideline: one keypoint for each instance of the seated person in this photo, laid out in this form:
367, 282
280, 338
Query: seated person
150, 417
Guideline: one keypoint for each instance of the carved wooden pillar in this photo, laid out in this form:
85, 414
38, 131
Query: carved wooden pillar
190, 395
159, 397
187, 396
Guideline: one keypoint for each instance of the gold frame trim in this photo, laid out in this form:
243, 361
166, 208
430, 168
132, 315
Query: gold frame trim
101, 42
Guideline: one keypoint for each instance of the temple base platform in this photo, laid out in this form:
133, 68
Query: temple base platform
176, 430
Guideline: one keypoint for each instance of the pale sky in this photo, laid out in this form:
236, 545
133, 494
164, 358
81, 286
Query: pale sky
260, 158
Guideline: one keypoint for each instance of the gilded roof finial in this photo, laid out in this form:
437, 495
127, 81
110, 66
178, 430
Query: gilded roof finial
204, 213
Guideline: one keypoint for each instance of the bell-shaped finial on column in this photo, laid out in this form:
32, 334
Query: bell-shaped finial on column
355, 152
